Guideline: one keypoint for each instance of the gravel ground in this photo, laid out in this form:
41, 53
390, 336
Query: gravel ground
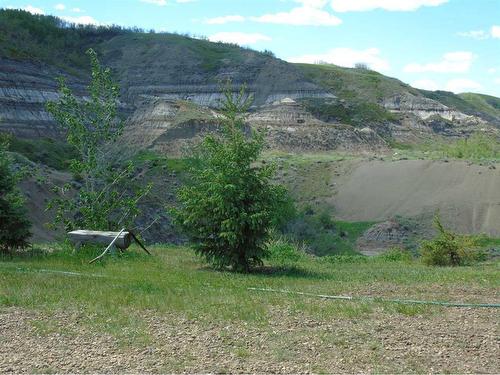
452, 340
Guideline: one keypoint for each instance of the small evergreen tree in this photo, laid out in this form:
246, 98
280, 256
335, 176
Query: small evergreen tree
106, 200
14, 224
229, 204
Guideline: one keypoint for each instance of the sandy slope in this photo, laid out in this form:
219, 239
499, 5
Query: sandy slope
467, 196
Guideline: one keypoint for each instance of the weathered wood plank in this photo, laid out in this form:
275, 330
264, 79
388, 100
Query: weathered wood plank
86, 236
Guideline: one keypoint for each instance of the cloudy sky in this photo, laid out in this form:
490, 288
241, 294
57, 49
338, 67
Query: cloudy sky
433, 44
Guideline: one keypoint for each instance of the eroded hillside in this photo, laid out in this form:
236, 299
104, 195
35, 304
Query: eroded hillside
334, 108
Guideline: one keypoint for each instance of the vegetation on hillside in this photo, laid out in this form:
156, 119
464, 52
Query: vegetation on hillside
49, 39
14, 223
483, 103
358, 85
477, 148
26, 36
50, 152
319, 234
356, 113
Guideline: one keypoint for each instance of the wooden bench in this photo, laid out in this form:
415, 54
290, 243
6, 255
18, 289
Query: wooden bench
122, 240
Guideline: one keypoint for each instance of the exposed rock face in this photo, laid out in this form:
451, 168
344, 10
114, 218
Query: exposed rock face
168, 127
172, 68
290, 127
422, 107
25, 87
422, 118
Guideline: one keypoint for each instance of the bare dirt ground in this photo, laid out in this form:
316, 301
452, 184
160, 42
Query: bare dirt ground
466, 195
447, 341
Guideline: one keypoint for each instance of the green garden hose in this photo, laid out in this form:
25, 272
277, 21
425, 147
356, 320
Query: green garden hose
377, 299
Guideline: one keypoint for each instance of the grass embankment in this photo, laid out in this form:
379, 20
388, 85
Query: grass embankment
170, 313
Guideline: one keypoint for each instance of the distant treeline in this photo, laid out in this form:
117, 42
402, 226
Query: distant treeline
55, 41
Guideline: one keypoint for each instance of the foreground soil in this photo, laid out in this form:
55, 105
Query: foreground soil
454, 340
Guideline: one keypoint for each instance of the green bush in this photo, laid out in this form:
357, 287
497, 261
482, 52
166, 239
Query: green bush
395, 254
451, 249
281, 251
321, 234
477, 147
14, 224
345, 259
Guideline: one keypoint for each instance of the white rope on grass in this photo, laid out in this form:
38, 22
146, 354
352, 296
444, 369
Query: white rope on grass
57, 272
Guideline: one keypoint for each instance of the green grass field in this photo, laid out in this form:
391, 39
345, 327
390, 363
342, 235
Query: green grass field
130, 299
174, 280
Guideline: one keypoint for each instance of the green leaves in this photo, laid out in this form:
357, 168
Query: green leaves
229, 204
14, 224
107, 199
450, 249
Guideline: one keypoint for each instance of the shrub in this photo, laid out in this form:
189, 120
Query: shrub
14, 224
321, 234
345, 259
228, 206
282, 251
477, 147
395, 254
450, 249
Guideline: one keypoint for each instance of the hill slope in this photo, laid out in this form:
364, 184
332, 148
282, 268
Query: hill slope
34, 50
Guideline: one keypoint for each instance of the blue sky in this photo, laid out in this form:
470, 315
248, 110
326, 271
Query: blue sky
433, 44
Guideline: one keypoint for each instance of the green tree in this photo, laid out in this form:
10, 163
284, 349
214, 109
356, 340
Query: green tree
14, 224
229, 204
107, 198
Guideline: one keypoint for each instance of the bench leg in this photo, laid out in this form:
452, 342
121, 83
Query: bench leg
77, 247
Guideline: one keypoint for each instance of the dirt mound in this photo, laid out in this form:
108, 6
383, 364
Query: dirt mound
467, 196
382, 236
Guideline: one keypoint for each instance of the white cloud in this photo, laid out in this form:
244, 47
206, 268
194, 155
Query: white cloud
60, 6
475, 34
452, 62
425, 84
497, 81
225, 19
77, 10
160, 3
239, 38
492, 70
495, 31
28, 8
312, 3
347, 57
82, 20
310, 13
459, 85
390, 5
